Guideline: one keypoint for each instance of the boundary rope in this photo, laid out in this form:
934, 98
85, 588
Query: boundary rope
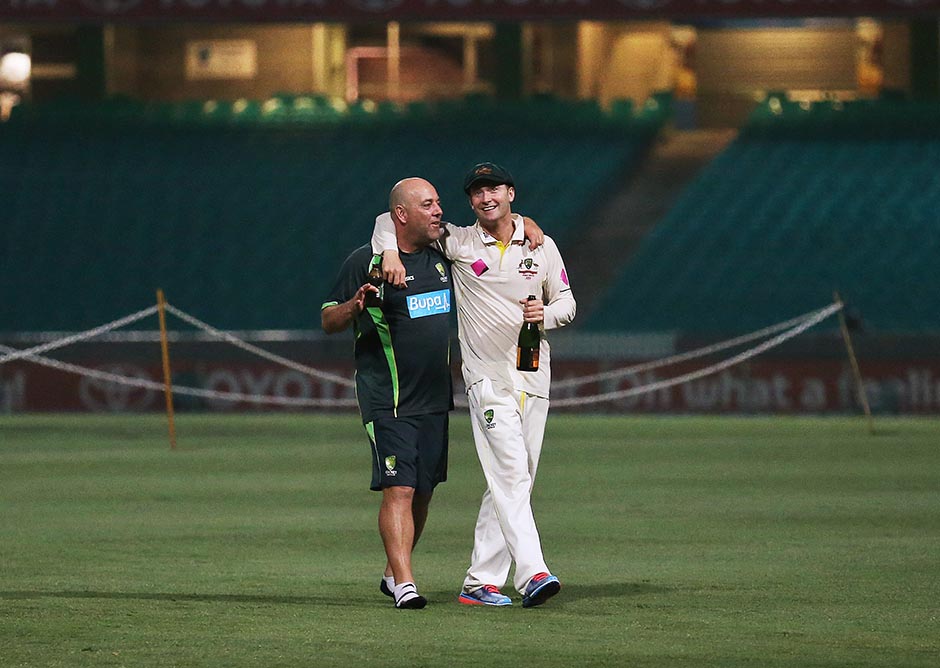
187, 391
80, 336
686, 356
785, 330
260, 352
707, 371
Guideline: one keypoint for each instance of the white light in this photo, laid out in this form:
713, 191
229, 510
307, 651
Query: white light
15, 68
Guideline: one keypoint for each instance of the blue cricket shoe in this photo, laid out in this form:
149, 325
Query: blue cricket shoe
541, 587
485, 595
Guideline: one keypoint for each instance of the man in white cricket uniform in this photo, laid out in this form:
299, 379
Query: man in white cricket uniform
494, 271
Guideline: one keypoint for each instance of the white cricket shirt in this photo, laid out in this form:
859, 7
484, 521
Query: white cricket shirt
490, 280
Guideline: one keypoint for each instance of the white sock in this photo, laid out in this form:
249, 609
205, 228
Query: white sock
389, 581
405, 592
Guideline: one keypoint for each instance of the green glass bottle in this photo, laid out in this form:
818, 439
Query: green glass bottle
527, 353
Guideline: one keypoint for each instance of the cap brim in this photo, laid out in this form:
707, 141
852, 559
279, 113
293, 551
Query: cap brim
484, 179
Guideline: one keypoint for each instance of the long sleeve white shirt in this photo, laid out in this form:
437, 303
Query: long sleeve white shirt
490, 280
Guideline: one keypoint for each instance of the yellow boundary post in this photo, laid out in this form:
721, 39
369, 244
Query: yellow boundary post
167, 381
856, 371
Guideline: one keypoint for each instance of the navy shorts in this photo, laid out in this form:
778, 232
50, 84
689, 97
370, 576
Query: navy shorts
409, 451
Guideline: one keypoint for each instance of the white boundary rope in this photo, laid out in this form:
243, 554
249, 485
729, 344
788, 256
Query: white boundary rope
690, 355
260, 352
91, 373
188, 391
707, 371
80, 336
790, 329
33, 355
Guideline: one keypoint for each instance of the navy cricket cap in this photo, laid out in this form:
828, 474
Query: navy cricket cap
487, 172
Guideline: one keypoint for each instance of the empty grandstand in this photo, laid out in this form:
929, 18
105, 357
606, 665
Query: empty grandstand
243, 211
810, 199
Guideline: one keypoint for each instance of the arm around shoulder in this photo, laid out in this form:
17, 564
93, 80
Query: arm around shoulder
383, 234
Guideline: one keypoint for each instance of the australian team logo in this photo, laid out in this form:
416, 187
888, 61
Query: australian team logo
528, 268
441, 271
390, 462
488, 416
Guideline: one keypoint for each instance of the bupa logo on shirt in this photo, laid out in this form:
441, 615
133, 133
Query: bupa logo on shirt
429, 303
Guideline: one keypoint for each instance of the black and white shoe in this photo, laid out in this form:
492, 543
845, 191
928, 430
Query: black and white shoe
408, 598
385, 589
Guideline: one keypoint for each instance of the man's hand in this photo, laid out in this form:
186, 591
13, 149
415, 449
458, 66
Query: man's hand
392, 269
533, 233
533, 310
358, 301
338, 317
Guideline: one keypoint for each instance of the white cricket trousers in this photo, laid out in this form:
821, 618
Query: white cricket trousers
508, 442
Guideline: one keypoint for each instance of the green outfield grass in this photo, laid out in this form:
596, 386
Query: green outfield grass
679, 542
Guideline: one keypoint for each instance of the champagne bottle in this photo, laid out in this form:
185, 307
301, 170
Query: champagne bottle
527, 353
374, 299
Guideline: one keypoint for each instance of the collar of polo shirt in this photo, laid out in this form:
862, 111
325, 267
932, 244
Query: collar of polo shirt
518, 233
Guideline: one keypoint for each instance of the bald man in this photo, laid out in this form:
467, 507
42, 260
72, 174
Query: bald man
403, 381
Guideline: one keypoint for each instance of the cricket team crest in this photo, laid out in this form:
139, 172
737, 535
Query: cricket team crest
441, 271
390, 462
488, 416
528, 268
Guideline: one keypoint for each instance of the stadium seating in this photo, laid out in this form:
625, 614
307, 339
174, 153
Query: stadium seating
809, 199
243, 211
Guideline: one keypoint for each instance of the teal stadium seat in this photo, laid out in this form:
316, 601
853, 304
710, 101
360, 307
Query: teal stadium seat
243, 211
806, 201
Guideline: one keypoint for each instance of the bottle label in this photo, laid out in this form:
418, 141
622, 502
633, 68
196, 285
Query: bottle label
527, 359
375, 300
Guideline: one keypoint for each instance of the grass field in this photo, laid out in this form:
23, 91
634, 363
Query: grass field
679, 542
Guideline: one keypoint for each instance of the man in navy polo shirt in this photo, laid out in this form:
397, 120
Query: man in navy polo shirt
403, 381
